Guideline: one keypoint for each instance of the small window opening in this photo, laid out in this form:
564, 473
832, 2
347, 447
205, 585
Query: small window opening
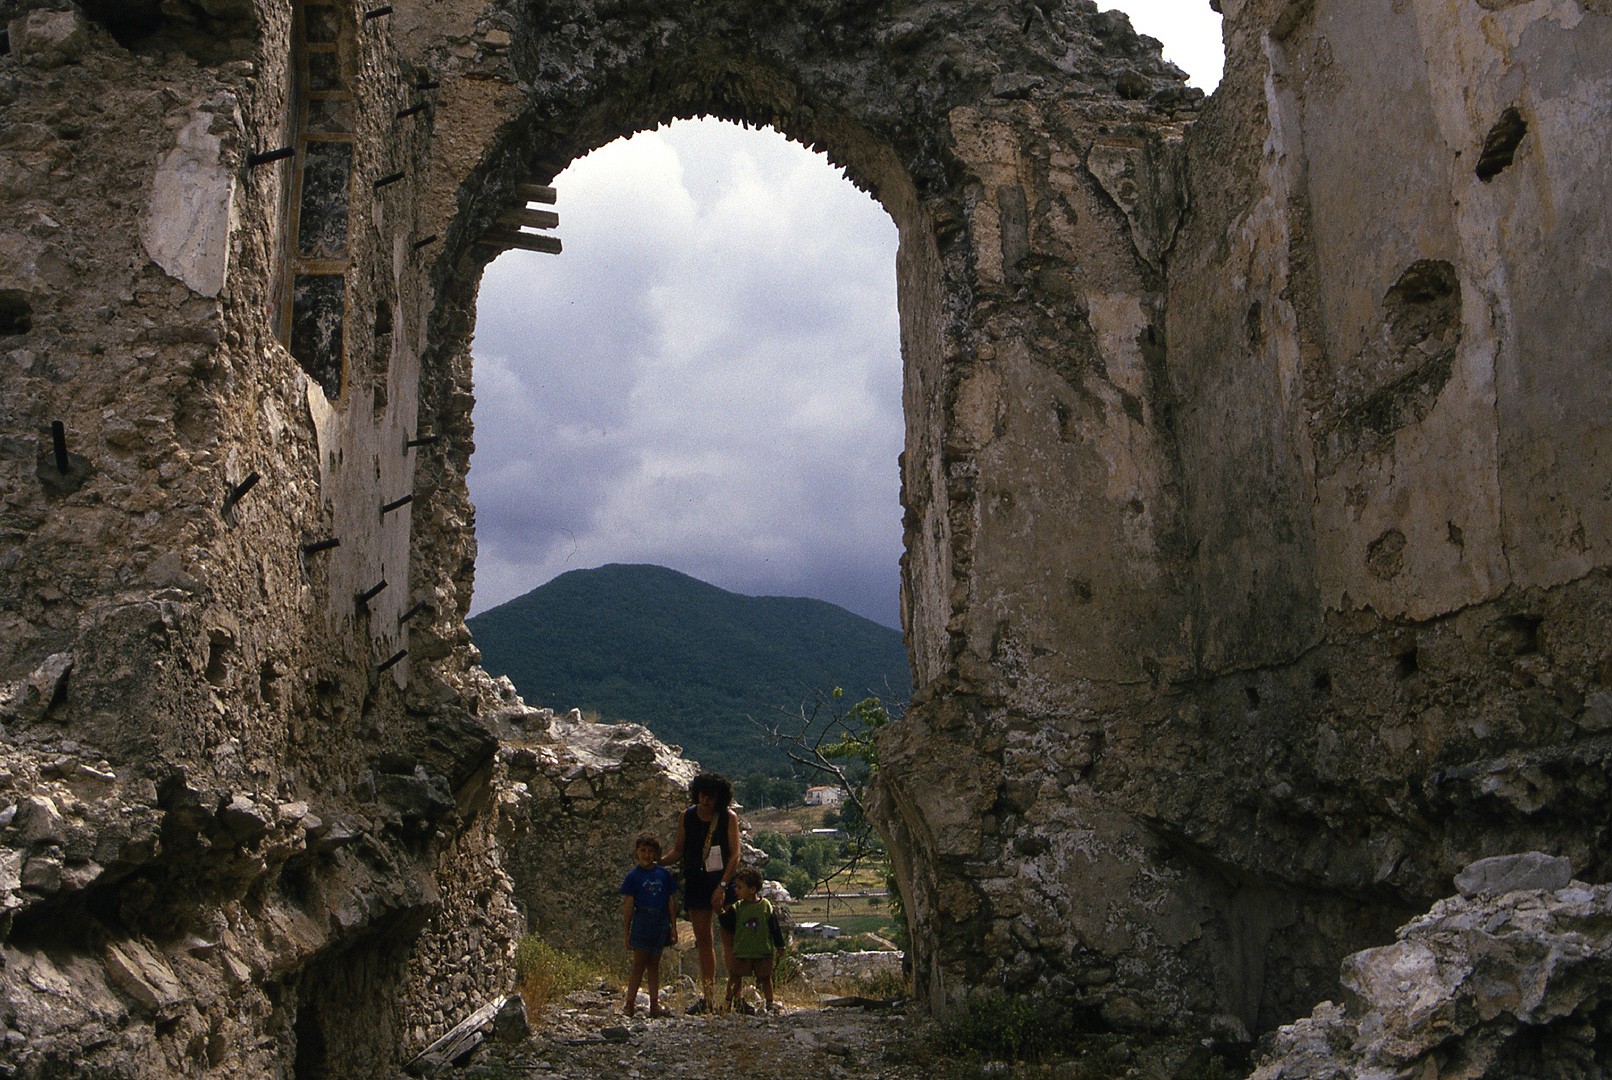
220, 646
1518, 635
16, 314
1500, 145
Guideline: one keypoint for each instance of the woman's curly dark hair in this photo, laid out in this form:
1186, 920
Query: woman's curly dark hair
714, 784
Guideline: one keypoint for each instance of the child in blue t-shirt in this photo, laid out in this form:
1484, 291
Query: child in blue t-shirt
648, 919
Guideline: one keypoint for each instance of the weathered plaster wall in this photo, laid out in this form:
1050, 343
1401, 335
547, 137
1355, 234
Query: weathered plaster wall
1356, 634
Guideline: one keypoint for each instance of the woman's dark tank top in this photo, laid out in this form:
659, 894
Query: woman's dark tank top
694, 839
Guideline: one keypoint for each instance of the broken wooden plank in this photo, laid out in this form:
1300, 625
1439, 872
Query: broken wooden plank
535, 193
508, 238
465, 1037
536, 219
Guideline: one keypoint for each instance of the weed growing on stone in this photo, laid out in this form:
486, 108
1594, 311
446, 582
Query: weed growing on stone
994, 1026
786, 968
885, 986
543, 973
1001, 1039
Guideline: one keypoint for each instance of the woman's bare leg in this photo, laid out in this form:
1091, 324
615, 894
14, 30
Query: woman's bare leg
701, 919
727, 951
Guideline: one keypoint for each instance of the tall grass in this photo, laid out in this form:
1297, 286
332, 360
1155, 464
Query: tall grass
544, 973
995, 1026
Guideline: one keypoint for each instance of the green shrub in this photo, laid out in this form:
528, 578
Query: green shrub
886, 986
994, 1026
785, 967
797, 881
543, 973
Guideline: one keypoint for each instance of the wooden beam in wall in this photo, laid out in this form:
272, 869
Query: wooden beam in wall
535, 193
534, 219
510, 238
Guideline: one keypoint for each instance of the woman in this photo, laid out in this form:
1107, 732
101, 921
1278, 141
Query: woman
708, 846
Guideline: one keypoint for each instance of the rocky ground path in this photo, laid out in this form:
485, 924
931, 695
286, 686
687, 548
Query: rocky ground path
588, 1039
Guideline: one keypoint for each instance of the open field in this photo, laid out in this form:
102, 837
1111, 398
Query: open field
793, 820
856, 924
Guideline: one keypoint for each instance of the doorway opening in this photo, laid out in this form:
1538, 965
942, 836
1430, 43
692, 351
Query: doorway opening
709, 378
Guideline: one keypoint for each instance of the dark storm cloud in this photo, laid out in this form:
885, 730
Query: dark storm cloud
708, 379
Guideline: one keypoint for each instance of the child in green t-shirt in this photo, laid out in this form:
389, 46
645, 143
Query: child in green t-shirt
752, 937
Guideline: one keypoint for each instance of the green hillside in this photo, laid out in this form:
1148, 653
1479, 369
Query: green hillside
688, 660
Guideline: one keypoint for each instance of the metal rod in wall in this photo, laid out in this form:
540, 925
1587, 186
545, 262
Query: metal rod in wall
266, 156
237, 492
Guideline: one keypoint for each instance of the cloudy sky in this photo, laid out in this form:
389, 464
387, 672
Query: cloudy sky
710, 377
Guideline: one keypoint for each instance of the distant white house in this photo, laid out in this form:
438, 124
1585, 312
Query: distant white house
817, 930
824, 795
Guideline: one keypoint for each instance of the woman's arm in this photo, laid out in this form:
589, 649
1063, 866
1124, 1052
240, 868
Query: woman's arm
734, 846
671, 857
733, 861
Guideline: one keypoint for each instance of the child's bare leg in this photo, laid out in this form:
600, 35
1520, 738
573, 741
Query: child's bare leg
764, 978
652, 969
640, 961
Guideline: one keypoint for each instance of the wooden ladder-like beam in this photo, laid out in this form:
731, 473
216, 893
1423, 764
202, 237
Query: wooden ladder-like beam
532, 219
514, 219
504, 239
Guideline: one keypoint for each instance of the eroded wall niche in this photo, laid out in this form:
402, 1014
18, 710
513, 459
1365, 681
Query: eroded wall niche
1256, 546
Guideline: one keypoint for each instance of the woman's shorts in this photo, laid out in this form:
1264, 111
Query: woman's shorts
700, 885
650, 931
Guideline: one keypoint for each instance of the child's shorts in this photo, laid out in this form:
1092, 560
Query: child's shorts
759, 966
651, 931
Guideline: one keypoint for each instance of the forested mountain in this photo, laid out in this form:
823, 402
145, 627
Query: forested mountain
690, 661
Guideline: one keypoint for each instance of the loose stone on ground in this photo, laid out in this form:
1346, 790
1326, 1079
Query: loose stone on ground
575, 1043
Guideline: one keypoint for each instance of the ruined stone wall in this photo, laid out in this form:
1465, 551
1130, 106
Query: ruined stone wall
1370, 644
577, 800
227, 823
